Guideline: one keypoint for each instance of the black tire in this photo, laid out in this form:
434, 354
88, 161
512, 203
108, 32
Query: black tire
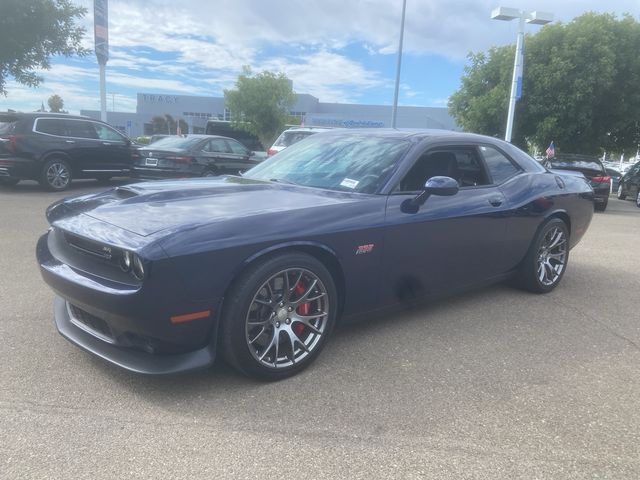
211, 173
9, 182
56, 182
236, 311
602, 207
620, 194
638, 199
528, 275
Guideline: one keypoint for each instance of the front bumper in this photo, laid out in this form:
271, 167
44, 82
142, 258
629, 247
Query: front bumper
127, 325
129, 358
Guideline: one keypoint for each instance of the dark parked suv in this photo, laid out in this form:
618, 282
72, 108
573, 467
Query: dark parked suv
629, 185
56, 148
592, 168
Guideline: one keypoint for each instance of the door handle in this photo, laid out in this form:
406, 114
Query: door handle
106, 143
69, 141
495, 201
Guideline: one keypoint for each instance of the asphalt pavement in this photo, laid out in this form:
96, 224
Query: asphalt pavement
496, 383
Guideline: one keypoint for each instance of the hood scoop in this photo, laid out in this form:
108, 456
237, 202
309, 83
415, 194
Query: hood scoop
125, 192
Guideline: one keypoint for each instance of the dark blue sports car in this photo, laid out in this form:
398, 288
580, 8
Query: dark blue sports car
161, 277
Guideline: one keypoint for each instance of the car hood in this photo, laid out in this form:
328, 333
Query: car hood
152, 207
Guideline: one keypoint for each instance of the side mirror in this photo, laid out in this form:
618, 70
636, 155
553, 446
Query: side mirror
441, 186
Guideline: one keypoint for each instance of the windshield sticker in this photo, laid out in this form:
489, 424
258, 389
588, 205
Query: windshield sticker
348, 183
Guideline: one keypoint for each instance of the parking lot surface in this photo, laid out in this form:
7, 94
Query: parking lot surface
496, 383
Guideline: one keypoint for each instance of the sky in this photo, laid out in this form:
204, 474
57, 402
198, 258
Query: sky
336, 50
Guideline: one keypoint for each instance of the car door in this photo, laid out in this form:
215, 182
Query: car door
216, 156
114, 150
451, 241
83, 146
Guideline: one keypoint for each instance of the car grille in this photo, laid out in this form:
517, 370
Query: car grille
90, 323
88, 246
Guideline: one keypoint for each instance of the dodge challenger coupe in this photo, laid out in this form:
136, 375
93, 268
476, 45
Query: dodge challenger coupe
161, 277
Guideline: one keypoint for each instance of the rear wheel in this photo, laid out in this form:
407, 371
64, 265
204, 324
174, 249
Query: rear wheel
210, 173
278, 316
547, 258
56, 175
602, 207
638, 199
621, 195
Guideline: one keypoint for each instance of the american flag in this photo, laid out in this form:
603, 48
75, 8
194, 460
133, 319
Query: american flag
551, 151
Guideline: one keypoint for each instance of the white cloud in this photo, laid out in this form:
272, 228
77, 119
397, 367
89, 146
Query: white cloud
199, 46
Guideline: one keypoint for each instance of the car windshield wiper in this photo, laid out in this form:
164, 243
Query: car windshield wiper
282, 180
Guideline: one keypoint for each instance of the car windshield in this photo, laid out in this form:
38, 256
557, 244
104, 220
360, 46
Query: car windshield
343, 162
177, 142
288, 138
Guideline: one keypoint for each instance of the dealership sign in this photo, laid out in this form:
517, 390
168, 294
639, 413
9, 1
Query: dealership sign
101, 30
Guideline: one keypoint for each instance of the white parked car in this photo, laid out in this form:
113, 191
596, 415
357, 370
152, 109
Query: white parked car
291, 136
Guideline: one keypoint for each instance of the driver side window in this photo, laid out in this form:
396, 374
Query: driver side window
460, 163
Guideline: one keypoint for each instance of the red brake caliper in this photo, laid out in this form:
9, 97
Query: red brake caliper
303, 309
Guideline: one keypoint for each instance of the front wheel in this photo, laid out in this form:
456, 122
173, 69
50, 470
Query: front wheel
278, 316
621, 195
547, 258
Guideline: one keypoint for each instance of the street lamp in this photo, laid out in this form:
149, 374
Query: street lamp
394, 109
535, 18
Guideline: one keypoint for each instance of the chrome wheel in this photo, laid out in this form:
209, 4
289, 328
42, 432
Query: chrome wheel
552, 256
58, 175
287, 318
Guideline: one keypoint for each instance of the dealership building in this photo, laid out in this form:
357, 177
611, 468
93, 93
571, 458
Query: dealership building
197, 111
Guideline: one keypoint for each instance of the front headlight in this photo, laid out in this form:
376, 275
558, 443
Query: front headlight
138, 267
126, 260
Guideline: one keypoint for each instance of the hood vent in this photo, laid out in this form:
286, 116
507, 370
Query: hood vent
124, 192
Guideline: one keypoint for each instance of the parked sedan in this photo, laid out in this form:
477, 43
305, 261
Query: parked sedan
192, 156
163, 277
630, 184
593, 170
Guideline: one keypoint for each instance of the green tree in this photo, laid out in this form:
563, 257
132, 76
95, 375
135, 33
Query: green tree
55, 103
167, 125
260, 103
31, 31
580, 87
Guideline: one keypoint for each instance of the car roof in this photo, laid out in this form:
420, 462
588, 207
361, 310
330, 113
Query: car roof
417, 133
48, 114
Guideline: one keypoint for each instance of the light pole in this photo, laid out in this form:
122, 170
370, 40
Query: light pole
394, 111
535, 18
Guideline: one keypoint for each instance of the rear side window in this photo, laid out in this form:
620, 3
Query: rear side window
80, 129
288, 138
500, 167
217, 145
7, 124
50, 126
106, 133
